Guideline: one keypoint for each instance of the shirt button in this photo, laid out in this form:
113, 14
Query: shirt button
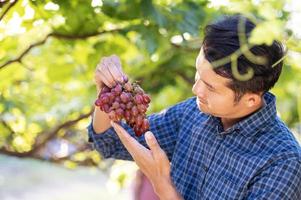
220, 137
205, 168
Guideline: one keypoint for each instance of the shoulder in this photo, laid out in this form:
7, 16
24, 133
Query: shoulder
279, 143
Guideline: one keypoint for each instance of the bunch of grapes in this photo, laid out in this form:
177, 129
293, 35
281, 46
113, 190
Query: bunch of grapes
126, 101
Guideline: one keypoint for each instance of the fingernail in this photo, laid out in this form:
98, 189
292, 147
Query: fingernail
113, 124
148, 135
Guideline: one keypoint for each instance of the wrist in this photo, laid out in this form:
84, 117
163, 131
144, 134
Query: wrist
166, 190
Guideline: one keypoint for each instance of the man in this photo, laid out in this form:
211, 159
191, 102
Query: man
225, 143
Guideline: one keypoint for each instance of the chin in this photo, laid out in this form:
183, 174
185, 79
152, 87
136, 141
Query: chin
202, 107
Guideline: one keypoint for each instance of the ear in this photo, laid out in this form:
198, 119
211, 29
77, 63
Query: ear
252, 100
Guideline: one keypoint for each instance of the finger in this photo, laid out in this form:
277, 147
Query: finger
100, 75
152, 143
115, 59
106, 72
133, 147
104, 79
117, 75
141, 155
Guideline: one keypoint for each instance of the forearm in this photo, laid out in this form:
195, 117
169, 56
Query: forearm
101, 120
167, 191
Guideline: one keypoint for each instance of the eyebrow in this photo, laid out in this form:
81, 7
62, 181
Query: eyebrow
209, 85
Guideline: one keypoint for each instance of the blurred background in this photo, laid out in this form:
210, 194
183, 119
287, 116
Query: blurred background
48, 53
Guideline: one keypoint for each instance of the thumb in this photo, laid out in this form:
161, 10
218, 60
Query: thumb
152, 142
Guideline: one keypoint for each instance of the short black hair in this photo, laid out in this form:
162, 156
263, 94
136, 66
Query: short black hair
222, 39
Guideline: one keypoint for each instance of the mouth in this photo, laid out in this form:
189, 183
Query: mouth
201, 101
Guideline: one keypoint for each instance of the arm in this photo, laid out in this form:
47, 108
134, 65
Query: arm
164, 125
153, 162
108, 72
282, 180
167, 191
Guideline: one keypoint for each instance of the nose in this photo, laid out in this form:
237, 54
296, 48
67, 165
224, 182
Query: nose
199, 89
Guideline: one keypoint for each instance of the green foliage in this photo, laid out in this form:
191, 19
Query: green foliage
52, 83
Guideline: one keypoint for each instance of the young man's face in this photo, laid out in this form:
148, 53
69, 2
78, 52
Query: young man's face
213, 95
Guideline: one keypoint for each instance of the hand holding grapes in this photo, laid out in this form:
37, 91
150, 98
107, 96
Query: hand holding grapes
109, 72
121, 99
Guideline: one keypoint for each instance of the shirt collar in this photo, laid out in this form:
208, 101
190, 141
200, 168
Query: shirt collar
255, 122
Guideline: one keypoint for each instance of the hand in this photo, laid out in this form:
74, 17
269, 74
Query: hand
153, 163
109, 72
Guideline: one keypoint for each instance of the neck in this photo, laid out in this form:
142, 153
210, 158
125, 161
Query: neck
229, 122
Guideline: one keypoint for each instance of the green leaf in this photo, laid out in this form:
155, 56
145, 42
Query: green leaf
266, 32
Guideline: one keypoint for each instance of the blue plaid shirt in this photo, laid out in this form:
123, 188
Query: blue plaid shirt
257, 158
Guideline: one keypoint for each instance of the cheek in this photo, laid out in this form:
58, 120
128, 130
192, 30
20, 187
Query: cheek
218, 102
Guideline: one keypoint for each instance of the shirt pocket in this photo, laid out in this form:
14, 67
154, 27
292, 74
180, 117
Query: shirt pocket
223, 185
233, 185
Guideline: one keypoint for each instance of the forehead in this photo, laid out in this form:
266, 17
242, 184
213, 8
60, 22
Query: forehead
205, 69
201, 62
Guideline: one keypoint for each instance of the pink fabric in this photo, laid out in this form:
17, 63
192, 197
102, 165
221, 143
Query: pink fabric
144, 189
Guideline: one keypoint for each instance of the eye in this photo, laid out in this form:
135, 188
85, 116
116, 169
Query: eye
210, 89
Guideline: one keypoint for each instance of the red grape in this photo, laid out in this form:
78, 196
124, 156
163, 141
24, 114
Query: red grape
134, 111
122, 106
124, 97
138, 99
146, 99
118, 89
98, 102
115, 105
128, 86
141, 108
129, 105
126, 101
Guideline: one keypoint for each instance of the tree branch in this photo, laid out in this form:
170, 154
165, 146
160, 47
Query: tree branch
19, 58
8, 8
73, 37
48, 136
83, 36
6, 125
58, 36
44, 137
